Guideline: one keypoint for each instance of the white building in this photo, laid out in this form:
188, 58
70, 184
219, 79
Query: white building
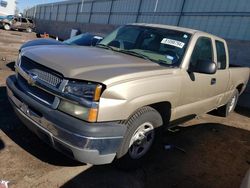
7, 7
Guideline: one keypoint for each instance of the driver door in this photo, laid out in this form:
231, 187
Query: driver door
24, 23
16, 23
198, 89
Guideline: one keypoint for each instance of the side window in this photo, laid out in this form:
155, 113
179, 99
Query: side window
221, 55
24, 20
202, 51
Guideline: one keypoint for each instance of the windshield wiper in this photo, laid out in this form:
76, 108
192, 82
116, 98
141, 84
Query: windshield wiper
104, 46
124, 51
135, 54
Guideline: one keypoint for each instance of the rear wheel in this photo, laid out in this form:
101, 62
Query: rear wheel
139, 138
225, 110
29, 30
6, 27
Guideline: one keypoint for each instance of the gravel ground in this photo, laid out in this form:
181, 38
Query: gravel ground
216, 150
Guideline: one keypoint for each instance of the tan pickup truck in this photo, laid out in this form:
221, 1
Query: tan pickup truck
97, 104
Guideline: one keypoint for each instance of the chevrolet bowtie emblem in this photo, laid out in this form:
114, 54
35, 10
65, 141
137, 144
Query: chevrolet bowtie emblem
32, 77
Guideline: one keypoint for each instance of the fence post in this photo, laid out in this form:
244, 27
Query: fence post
34, 15
57, 11
51, 9
181, 12
77, 11
66, 12
44, 12
40, 11
110, 10
90, 13
138, 11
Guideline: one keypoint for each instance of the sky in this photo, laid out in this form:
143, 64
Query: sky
22, 4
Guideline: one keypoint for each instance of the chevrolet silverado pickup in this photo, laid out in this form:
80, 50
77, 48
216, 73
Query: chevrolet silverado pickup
105, 103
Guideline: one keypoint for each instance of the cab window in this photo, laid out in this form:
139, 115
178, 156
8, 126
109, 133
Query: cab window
203, 51
221, 55
23, 20
30, 21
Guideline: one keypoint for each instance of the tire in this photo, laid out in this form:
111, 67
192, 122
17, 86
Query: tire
139, 137
228, 108
6, 27
29, 30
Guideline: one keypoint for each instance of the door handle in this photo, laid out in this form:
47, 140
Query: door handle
213, 81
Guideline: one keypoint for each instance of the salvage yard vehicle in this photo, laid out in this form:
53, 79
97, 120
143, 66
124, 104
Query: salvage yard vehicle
18, 23
84, 39
109, 102
8, 17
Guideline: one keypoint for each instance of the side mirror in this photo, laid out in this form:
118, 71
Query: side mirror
206, 67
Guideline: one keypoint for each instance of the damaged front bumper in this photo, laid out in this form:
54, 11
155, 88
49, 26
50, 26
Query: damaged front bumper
94, 143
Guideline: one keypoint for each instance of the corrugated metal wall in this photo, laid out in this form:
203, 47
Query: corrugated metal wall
226, 18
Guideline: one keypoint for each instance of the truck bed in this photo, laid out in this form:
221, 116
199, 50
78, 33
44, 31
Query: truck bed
238, 75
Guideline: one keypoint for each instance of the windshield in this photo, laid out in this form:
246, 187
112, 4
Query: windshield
162, 46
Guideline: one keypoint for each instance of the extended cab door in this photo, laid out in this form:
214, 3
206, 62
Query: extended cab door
24, 23
222, 75
199, 90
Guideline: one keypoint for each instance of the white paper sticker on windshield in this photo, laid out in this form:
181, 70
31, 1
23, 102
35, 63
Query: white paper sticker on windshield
172, 42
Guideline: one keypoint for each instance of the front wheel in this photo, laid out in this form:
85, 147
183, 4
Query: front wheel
139, 138
6, 27
228, 108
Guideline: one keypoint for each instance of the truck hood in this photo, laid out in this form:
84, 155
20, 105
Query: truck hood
94, 64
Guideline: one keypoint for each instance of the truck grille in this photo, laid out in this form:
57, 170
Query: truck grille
44, 74
35, 92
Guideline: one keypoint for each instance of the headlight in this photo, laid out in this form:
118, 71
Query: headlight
81, 112
86, 90
82, 90
18, 61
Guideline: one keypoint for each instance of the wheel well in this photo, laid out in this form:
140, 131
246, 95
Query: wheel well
240, 87
164, 108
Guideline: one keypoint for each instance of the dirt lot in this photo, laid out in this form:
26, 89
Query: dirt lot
217, 150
